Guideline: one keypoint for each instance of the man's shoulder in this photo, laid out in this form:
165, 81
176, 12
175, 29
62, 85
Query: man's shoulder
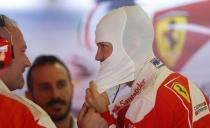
175, 85
35, 109
9, 102
13, 113
37, 112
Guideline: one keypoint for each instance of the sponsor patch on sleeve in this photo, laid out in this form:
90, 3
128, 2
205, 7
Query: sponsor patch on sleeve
200, 108
157, 63
181, 90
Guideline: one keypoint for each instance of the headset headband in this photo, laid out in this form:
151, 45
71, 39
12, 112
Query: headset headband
2, 22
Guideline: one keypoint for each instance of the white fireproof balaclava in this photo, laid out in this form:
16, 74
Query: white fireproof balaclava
130, 31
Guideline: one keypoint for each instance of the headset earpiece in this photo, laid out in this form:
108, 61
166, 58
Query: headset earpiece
5, 53
6, 48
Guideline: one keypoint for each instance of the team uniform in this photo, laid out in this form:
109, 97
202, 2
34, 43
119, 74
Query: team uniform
19, 112
160, 98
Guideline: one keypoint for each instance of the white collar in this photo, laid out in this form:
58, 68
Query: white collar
3, 87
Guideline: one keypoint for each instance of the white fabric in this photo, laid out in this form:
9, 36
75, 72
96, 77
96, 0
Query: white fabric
74, 125
145, 81
145, 101
3, 87
130, 32
198, 102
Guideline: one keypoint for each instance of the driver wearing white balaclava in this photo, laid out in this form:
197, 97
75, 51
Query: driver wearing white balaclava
158, 97
131, 37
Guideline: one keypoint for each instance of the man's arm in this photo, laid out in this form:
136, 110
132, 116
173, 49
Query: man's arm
99, 102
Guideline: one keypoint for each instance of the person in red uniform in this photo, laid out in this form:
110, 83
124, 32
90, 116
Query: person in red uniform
16, 111
157, 98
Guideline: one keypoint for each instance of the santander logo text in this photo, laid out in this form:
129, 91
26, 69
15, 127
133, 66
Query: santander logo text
125, 102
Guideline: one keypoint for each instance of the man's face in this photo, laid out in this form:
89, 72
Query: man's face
104, 51
52, 90
14, 73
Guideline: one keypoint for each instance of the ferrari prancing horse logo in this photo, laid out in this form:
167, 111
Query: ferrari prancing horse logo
181, 90
170, 40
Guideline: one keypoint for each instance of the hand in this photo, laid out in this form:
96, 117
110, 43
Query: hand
96, 100
88, 118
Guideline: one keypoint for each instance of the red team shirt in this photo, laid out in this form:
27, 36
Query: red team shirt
14, 114
175, 106
19, 112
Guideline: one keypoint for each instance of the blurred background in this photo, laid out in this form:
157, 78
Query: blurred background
66, 28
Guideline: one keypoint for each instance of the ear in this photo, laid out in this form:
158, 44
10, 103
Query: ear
28, 94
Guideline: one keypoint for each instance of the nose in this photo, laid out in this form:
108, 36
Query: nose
99, 56
27, 62
54, 93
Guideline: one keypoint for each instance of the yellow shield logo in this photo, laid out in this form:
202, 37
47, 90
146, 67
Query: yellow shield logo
181, 90
170, 40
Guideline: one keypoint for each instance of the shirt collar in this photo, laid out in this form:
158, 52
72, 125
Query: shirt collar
3, 87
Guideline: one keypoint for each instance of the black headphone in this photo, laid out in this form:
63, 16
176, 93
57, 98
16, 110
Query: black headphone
6, 47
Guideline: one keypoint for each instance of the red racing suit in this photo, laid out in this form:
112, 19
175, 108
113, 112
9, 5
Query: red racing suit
15, 115
171, 101
18, 112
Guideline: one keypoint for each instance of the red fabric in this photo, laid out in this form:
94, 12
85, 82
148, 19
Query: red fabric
168, 111
202, 122
6, 52
109, 118
15, 115
172, 108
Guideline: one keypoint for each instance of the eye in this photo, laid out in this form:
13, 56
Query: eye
102, 45
44, 87
61, 84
